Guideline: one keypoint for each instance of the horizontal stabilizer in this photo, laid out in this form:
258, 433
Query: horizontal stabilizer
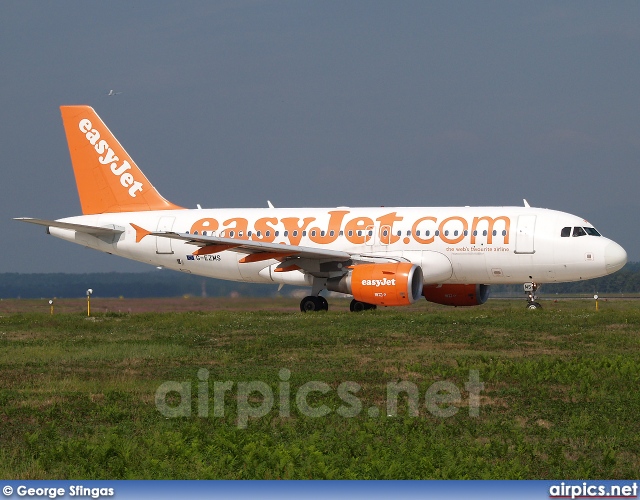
81, 228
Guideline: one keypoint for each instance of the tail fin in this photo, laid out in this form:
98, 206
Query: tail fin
108, 180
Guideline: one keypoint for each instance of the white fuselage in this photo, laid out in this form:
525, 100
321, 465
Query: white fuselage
488, 245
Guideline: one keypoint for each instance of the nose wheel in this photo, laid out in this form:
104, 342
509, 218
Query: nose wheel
530, 290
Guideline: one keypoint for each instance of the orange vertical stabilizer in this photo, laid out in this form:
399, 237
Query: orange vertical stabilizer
108, 180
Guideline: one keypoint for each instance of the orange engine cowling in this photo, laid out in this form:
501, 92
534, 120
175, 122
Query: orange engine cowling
389, 284
456, 295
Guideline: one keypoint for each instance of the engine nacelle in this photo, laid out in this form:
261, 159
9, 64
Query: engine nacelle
389, 284
456, 295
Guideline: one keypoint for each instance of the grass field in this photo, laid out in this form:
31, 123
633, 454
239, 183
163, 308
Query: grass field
77, 394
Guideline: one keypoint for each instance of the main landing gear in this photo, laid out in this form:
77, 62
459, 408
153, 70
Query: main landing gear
530, 290
315, 302
312, 303
357, 306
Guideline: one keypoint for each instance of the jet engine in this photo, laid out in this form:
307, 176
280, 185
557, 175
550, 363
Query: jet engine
456, 295
389, 284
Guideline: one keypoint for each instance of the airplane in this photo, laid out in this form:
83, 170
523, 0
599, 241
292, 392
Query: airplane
380, 256
112, 93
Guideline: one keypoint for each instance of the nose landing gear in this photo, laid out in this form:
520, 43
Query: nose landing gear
530, 290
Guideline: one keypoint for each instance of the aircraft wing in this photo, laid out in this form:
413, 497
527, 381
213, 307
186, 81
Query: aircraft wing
81, 228
258, 251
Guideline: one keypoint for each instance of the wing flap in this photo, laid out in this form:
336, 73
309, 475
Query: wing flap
214, 244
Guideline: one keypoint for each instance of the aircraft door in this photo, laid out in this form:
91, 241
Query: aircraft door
377, 237
525, 234
385, 235
370, 236
163, 245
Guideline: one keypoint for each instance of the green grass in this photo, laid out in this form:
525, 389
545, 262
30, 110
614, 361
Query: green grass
560, 396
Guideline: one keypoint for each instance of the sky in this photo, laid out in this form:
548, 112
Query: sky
322, 104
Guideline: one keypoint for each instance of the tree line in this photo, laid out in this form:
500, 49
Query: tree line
172, 284
129, 285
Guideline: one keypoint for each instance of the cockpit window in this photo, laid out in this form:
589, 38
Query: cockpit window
591, 231
578, 231
566, 232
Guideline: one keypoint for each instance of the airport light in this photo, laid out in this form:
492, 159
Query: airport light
596, 298
51, 307
89, 292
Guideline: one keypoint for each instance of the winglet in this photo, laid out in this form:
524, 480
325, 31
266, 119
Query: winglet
140, 232
107, 178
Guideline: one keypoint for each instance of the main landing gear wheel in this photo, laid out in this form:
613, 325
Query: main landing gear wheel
324, 305
357, 306
312, 303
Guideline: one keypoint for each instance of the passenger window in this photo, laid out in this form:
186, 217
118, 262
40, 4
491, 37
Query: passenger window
566, 232
578, 231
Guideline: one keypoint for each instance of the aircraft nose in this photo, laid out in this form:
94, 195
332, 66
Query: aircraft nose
615, 257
